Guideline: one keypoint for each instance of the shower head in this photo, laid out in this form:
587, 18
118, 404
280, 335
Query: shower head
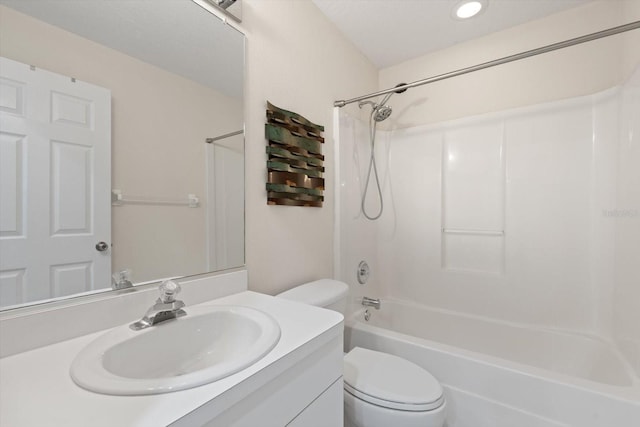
381, 113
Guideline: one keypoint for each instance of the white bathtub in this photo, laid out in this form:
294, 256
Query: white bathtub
498, 374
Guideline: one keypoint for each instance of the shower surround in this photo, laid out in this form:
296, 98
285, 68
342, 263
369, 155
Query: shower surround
529, 216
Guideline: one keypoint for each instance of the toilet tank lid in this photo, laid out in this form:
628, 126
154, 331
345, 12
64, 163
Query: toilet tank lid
320, 293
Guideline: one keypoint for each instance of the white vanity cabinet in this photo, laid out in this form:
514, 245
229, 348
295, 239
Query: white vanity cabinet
308, 394
298, 383
326, 410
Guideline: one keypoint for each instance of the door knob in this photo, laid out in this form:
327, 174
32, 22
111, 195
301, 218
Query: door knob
102, 246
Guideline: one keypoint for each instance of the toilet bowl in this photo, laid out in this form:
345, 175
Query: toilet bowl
380, 389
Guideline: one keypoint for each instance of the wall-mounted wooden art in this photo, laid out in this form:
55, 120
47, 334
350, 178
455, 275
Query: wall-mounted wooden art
295, 162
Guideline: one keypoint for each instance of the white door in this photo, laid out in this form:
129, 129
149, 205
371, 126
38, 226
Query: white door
55, 178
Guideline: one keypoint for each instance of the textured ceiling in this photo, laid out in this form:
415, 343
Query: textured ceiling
389, 32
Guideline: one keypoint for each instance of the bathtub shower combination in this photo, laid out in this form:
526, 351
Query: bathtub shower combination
497, 374
506, 256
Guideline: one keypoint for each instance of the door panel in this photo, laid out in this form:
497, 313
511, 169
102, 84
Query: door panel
71, 188
71, 110
12, 289
55, 142
12, 184
67, 279
12, 96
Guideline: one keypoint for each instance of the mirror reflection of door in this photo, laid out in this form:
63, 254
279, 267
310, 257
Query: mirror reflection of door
55, 175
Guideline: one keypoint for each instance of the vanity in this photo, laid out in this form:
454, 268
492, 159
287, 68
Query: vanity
297, 383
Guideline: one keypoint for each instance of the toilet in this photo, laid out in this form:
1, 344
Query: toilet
380, 389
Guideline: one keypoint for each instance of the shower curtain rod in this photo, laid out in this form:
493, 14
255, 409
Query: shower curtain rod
549, 48
226, 135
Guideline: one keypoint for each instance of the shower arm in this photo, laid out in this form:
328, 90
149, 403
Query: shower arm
363, 103
529, 53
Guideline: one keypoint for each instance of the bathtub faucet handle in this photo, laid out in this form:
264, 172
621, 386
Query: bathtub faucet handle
371, 302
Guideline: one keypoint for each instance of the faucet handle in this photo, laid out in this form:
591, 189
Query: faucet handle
168, 291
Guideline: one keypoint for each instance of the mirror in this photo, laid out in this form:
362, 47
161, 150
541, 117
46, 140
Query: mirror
231, 8
122, 148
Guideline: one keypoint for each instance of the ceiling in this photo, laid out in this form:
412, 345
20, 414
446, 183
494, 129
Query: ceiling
203, 49
389, 32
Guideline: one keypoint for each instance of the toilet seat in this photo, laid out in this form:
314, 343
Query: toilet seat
390, 382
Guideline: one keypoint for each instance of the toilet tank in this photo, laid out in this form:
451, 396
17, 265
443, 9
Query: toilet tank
326, 293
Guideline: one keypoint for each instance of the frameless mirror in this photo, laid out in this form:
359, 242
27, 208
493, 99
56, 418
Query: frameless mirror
122, 151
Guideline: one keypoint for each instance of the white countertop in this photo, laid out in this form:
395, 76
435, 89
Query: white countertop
36, 388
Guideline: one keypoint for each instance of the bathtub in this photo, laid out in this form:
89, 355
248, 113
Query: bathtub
498, 374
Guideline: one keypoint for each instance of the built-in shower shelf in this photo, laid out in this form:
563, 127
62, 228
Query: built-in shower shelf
474, 232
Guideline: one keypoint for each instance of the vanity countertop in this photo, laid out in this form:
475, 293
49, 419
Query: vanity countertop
37, 390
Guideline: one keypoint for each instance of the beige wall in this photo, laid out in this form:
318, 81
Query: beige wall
159, 124
631, 51
299, 61
575, 71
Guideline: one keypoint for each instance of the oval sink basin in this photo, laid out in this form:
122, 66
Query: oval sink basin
209, 343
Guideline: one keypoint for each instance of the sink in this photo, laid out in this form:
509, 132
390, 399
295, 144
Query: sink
208, 344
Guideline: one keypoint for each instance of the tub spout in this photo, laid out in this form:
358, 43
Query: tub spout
371, 302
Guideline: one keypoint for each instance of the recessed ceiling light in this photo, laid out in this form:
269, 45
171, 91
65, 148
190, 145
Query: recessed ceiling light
468, 8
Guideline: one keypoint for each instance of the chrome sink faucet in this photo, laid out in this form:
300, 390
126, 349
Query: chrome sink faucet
167, 307
371, 302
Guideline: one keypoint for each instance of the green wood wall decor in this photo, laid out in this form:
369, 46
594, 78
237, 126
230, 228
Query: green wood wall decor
295, 161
